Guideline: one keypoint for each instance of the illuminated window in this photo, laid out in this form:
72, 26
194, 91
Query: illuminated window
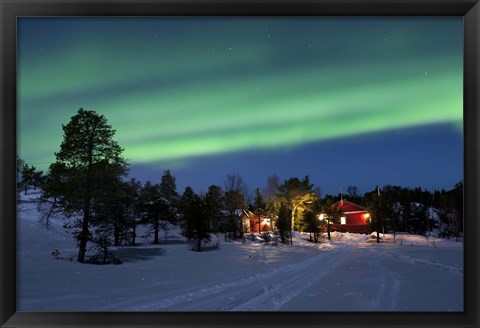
343, 220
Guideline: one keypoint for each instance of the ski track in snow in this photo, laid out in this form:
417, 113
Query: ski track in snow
416, 260
437, 265
273, 289
281, 290
389, 287
267, 291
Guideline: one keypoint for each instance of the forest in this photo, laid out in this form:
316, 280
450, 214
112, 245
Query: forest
88, 187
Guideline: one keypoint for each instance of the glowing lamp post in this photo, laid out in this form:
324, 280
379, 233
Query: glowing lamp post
323, 217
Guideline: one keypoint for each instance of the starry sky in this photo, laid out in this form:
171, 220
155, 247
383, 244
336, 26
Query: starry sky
359, 101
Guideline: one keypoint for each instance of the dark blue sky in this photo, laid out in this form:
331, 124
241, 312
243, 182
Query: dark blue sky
429, 157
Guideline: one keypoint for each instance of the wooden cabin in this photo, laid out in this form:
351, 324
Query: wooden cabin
355, 218
255, 223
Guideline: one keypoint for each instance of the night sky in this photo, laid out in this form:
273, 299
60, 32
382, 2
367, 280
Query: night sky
359, 101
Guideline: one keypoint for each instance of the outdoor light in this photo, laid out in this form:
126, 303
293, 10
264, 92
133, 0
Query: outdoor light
367, 216
321, 217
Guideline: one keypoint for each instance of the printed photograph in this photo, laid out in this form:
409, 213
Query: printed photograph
240, 164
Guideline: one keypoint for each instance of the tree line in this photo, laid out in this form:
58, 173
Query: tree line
88, 185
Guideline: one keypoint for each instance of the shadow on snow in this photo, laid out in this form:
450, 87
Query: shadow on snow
135, 254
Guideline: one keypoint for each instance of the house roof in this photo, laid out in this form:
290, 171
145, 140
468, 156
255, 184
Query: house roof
349, 207
246, 213
249, 214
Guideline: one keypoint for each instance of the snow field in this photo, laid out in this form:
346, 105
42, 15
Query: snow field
348, 273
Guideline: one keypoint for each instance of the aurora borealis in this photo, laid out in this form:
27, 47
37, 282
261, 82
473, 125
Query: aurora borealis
349, 101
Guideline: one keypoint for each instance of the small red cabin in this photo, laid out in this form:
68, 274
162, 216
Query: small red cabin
254, 223
355, 218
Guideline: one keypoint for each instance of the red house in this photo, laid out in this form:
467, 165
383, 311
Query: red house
254, 223
355, 218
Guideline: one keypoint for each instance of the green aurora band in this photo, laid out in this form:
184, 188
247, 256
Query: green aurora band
186, 96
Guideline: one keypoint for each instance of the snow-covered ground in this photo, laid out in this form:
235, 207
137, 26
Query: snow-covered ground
348, 273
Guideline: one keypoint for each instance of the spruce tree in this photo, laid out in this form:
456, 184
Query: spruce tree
88, 160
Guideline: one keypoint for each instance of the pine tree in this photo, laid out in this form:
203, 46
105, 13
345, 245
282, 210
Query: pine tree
195, 225
168, 201
406, 207
30, 177
160, 202
271, 194
235, 192
109, 211
234, 202
298, 194
283, 224
456, 194
312, 222
259, 207
133, 204
37, 179
419, 222
215, 205
332, 213
88, 160
259, 204
109, 219
150, 196
27, 177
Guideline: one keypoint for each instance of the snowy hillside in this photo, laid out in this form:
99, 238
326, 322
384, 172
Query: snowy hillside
348, 273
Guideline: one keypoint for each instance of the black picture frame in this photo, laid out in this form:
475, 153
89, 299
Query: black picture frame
10, 10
